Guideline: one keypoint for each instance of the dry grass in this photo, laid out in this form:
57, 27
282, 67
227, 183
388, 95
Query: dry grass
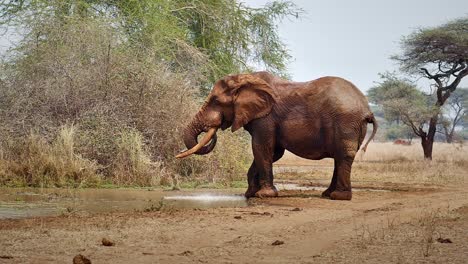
387, 151
36, 162
388, 163
416, 241
220, 166
133, 165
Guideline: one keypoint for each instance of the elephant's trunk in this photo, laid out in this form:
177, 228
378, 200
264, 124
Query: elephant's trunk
191, 133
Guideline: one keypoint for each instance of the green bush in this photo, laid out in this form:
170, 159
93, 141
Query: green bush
394, 132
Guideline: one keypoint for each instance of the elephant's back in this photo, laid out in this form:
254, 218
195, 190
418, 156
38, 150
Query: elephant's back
337, 95
314, 116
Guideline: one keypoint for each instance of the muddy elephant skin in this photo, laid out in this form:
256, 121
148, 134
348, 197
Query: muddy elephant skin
323, 118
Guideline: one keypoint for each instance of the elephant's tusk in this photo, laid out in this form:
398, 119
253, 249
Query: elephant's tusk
209, 135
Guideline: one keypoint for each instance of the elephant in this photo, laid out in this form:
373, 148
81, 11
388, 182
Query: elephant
323, 118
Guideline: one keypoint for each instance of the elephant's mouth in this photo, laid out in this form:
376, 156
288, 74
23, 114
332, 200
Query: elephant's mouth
210, 137
225, 124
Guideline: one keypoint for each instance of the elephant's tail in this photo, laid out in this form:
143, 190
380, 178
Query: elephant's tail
370, 119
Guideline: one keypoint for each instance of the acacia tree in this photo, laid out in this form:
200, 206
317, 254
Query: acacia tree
439, 54
402, 102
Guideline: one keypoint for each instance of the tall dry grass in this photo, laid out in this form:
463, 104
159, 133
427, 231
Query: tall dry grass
387, 151
385, 162
34, 161
406, 164
132, 164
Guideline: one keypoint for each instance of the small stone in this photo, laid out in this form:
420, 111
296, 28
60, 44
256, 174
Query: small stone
264, 213
80, 259
444, 240
237, 217
107, 242
297, 209
186, 253
277, 243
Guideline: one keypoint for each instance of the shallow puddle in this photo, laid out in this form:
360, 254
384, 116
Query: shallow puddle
30, 202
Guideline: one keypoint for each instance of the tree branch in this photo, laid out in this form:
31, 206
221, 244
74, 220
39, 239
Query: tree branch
435, 77
458, 79
418, 131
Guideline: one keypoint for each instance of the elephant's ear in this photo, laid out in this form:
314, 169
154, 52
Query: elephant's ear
253, 98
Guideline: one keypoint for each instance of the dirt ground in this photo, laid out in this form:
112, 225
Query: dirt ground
408, 224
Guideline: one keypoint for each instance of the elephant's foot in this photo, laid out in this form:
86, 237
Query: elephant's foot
327, 193
343, 195
269, 191
251, 191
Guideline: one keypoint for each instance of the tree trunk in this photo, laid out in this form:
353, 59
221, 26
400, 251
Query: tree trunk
427, 147
448, 134
449, 138
427, 140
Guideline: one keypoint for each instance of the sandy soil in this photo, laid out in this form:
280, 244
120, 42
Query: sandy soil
373, 226
411, 222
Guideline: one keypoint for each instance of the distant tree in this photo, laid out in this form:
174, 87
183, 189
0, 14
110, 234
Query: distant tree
403, 104
439, 54
454, 113
395, 131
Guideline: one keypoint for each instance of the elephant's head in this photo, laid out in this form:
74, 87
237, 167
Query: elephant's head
233, 102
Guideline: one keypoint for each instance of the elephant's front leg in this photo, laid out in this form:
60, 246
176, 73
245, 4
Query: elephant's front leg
253, 181
263, 156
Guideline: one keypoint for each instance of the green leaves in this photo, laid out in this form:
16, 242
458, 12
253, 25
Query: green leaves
220, 36
402, 101
439, 46
439, 54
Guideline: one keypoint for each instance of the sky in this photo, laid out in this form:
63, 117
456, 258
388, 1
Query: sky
355, 39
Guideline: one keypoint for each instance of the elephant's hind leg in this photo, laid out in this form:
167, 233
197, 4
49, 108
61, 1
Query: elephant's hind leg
332, 186
342, 172
343, 179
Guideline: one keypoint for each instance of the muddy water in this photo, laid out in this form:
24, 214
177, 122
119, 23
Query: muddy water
29, 202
